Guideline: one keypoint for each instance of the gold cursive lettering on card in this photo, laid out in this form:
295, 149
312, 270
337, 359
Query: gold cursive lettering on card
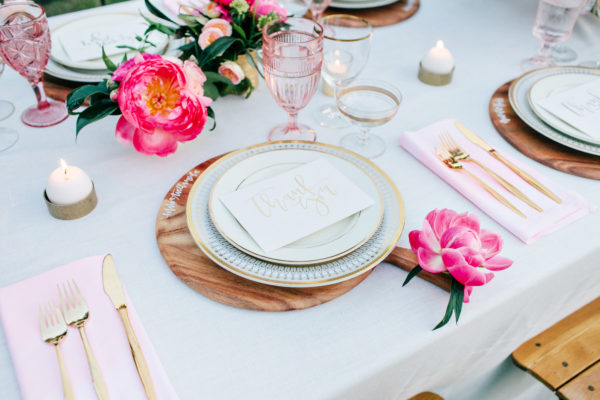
299, 196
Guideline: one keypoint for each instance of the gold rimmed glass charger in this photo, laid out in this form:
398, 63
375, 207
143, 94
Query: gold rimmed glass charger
325, 245
360, 260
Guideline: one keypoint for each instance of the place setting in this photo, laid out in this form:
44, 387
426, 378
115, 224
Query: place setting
377, 12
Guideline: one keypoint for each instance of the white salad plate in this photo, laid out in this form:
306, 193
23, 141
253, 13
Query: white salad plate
356, 262
360, 4
325, 245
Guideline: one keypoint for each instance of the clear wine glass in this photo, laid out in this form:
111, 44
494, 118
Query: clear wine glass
317, 8
25, 47
292, 58
346, 46
554, 23
562, 54
367, 103
8, 137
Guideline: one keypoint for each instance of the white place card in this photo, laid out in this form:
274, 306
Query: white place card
87, 45
285, 208
579, 107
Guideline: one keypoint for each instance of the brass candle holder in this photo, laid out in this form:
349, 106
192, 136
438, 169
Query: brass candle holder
75, 210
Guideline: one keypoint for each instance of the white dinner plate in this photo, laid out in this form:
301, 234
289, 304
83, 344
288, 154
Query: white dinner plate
360, 4
325, 245
518, 95
554, 84
229, 257
73, 27
75, 75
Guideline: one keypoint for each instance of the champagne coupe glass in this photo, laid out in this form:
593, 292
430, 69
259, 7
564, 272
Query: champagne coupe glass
25, 46
554, 23
368, 103
292, 58
317, 8
8, 137
346, 45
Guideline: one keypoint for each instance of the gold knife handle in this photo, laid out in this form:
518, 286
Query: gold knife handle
507, 185
97, 378
138, 356
66, 383
528, 178
497, 195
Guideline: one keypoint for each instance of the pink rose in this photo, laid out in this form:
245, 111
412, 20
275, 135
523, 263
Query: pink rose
265, 7
220, 24
208, 37
159, 110
124, 68
212, 10
455, 243
195, 81
232, 71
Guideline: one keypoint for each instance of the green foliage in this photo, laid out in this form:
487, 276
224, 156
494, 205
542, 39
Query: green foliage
457, 293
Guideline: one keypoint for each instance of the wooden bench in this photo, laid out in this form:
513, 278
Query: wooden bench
565, 357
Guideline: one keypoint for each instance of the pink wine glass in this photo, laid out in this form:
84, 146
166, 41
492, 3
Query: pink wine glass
25, 47
292, 58
317, 8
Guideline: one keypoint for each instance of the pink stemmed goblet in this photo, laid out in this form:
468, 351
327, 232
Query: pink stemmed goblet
292, 58
25, 47
317, 8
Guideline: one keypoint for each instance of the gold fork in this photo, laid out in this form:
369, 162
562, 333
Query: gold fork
77, 313
54, 330
461, 155
447, 159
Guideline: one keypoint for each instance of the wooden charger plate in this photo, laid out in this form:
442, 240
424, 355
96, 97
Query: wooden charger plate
381, 16
535, 145
196, 270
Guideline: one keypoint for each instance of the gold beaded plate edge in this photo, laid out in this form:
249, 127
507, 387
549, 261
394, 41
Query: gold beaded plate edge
224, 254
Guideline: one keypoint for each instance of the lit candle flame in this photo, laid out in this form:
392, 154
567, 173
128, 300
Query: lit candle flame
439, 44
63, 165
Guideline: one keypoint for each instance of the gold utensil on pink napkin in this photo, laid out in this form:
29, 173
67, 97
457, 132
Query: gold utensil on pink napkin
524, 175
114, 290
447, 159
54, 330
459, 154
76, 314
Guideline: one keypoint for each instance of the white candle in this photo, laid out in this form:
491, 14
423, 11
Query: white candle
337, 68
337, 62
68, 184
438, 60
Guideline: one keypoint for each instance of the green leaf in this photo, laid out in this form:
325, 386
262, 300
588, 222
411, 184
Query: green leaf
94, 113
448, 315
239, 30
210, 112
253, 63
212, 76
211, 90
413, 272
109, 64
155, 26
156, 11
124, 58
215, 49
77, 96
459, 295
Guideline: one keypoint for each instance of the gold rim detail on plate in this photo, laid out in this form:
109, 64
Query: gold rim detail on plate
361, 260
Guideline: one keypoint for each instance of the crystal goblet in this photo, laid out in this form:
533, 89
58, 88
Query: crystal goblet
367, 103
292, 58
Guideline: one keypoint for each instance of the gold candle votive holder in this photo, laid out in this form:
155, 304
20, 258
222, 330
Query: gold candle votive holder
75, 210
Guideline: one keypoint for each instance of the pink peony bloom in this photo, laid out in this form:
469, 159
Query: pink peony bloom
232, 71
208, 37
124, 68
159, 110
455, 243
265, 7
220, 24
195, 81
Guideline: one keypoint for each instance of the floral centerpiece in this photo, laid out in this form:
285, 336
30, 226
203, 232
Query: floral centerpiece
164, 100
455, 244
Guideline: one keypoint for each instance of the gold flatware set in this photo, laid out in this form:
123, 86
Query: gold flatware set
74, 312
452, 155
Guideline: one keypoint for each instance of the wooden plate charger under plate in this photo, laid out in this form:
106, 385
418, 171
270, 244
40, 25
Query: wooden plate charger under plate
381, 16
196, 270
535, 145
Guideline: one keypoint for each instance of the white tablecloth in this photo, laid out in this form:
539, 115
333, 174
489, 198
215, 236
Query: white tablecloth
374, 342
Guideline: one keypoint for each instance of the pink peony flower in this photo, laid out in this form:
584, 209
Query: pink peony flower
220, 24
208, 36
265, 7
195, 81
455, 243
124, 68
232, 71
159, 110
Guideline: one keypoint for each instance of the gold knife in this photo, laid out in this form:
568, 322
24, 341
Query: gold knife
114, 290
526, 177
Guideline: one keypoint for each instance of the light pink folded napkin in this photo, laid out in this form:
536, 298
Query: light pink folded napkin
35, 361
421, 145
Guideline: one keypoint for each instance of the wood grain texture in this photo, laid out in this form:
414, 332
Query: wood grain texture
535, 145
427, 396
406, 259
564, 350
196, 270
382, 16
584, 387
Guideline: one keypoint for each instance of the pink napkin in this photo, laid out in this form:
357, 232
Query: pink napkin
421, 145
35, 361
